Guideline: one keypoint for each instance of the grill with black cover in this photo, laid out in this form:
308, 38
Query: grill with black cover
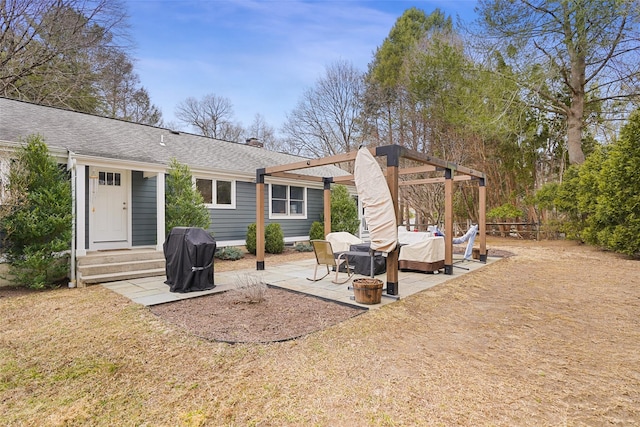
189, 252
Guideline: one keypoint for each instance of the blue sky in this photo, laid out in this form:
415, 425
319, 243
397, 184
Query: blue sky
261, 55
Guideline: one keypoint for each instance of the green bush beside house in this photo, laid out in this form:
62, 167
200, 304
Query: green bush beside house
184, 205
36, 217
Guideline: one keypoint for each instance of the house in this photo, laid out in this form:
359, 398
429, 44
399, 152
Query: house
118, 173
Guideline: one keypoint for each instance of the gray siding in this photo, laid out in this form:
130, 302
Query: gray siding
143, 209
231, 224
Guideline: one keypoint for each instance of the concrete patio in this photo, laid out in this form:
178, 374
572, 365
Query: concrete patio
293, 275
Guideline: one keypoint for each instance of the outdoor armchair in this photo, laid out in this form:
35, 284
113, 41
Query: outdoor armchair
326, 256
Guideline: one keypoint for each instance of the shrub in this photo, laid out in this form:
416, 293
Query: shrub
600, 198
317, 231
273, 238
36, 217
344, 211
504, 212
563, 198
614, 214
229, 253
303, 247
251, 238
184, 205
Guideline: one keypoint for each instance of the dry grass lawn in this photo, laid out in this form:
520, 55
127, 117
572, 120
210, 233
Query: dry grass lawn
550, 336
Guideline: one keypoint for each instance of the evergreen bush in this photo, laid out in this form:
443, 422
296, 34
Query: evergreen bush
184, 205
344, 211
273, 238
614, 211
251, 238
317, 231
600, 198
36, 217
505, 212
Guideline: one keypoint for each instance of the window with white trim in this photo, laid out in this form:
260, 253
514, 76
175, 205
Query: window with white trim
217, 193
288, 201
109, 178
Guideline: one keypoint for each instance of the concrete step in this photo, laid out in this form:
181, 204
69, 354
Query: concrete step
108, 257
122, 266
112, 266
114, 277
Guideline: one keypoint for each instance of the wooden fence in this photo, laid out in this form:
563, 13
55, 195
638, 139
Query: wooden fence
519, 230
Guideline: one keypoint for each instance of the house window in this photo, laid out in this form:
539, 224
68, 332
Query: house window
217, 193
109, 178
288, 200
223, 192
205, 187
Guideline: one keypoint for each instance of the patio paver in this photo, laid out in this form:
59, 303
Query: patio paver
150, 291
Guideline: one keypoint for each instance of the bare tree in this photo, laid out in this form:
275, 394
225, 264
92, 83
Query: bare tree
231, 131
211, 116
263, 132
47, 45
325, 121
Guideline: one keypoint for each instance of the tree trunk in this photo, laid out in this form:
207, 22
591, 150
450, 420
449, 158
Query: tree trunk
575, 113
575, 116
574, 131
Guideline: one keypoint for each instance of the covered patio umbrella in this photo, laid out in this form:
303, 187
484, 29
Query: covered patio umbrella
379, 212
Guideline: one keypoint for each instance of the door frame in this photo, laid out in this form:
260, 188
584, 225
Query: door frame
93, 184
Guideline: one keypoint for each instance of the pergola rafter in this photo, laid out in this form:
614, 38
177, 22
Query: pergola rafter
393, 154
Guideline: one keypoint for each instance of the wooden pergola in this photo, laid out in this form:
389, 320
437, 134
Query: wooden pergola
393, 153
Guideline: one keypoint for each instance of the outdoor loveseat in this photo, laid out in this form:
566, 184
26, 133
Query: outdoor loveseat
420, 251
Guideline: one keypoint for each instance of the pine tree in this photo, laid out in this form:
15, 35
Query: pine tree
36, 217
184, 205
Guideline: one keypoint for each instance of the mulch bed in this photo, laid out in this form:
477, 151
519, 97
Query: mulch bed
229, 317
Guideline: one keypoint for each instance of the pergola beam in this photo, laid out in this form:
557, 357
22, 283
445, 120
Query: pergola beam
297, 176
435, 180
423, 158
339, 158
418, 169
347, 179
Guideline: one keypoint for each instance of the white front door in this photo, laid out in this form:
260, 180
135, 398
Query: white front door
109, 210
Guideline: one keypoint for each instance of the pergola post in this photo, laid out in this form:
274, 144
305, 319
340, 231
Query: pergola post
448, 221
260, 219
327, 205
482, 218
393, 162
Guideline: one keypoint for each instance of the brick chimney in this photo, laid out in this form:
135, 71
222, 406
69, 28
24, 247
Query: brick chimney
255, 142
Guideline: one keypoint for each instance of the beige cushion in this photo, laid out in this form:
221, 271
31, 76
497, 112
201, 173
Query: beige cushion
431, 249
341, 241
408, 237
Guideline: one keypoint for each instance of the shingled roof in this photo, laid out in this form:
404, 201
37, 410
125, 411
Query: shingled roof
90, 135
